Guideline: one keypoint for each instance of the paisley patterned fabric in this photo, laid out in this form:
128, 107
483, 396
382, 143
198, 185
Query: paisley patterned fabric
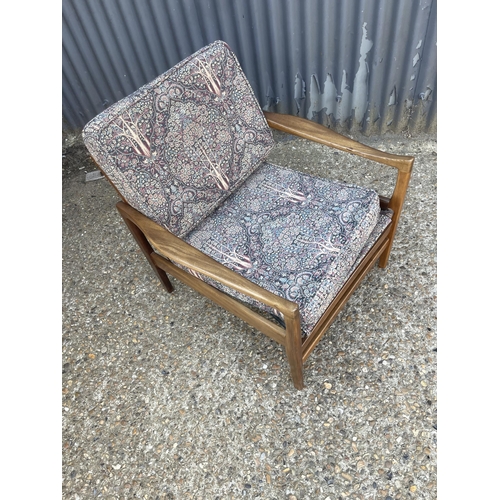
178, 146
185, 150
293, 234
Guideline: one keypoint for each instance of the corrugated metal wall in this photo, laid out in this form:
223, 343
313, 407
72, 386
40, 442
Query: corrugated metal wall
360, 65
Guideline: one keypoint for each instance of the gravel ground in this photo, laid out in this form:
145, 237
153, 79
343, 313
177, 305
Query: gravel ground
167, 396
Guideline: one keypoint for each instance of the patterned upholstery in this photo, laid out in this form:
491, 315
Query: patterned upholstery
178, 146
293, 234
188, 150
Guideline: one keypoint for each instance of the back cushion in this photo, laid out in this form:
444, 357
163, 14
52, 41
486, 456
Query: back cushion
178, 146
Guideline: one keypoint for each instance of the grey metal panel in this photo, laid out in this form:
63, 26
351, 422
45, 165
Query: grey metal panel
367, 65
424, 109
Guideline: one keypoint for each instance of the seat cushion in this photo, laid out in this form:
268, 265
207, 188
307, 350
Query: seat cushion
293, 234
180, 145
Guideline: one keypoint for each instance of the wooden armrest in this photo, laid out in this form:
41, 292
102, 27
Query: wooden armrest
172, 247
323, 135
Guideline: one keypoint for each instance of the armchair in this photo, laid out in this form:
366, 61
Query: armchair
282, 250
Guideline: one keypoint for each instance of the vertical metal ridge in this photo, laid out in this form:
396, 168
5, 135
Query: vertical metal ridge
424, 109
366, 66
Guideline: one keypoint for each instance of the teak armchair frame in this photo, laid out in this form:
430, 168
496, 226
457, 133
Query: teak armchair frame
162, 249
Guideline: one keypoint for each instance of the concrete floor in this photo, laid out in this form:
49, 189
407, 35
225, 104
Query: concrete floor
167, 396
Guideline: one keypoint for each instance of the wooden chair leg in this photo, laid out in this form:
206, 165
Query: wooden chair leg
293, 349
147, 250
396, 205
384, 256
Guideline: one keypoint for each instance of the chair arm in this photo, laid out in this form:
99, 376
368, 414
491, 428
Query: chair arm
319, 133
323, 135
177, 250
